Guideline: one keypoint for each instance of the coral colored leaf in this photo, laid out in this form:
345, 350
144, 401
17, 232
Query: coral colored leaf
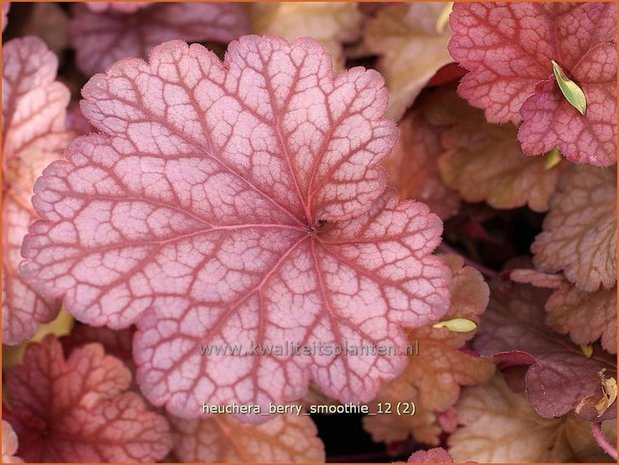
585, 316
499, 426
413, 167
549, 120
78, 409
239, 204
222, 439
333, 24
410, 48
34, 132
435, 455
560, 377
434, 375
580, 234
9, 444
509, 49
101, 38
484, 162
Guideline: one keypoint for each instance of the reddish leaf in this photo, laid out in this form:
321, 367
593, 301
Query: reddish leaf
34, 132
257, 216
222, 439
78, 410
101, 38
508, 49
435, 455
561, 378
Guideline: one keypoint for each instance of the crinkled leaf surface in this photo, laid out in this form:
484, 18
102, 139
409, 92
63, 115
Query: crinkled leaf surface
410, 48
34, 132
580, 234
484, 162
237, 204
413, 166
77, 409
585, 316
222, 439
560, 377
101, 38
435, 455
331, 23
9, 444
433, 376
499, 426
509, 48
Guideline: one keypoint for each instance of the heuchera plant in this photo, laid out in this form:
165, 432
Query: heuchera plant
518, 84
238, 203
199, 222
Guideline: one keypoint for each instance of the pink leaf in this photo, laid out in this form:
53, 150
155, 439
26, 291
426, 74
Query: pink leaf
34, 132
101, 38
508, 50
256, 216
78, 410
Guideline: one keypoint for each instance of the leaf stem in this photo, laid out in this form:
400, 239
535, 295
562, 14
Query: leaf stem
596, 428
446, 248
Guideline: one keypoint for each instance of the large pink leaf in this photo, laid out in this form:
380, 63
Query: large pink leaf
101, 38
34, 132
508, 49
79, 410
236, 204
